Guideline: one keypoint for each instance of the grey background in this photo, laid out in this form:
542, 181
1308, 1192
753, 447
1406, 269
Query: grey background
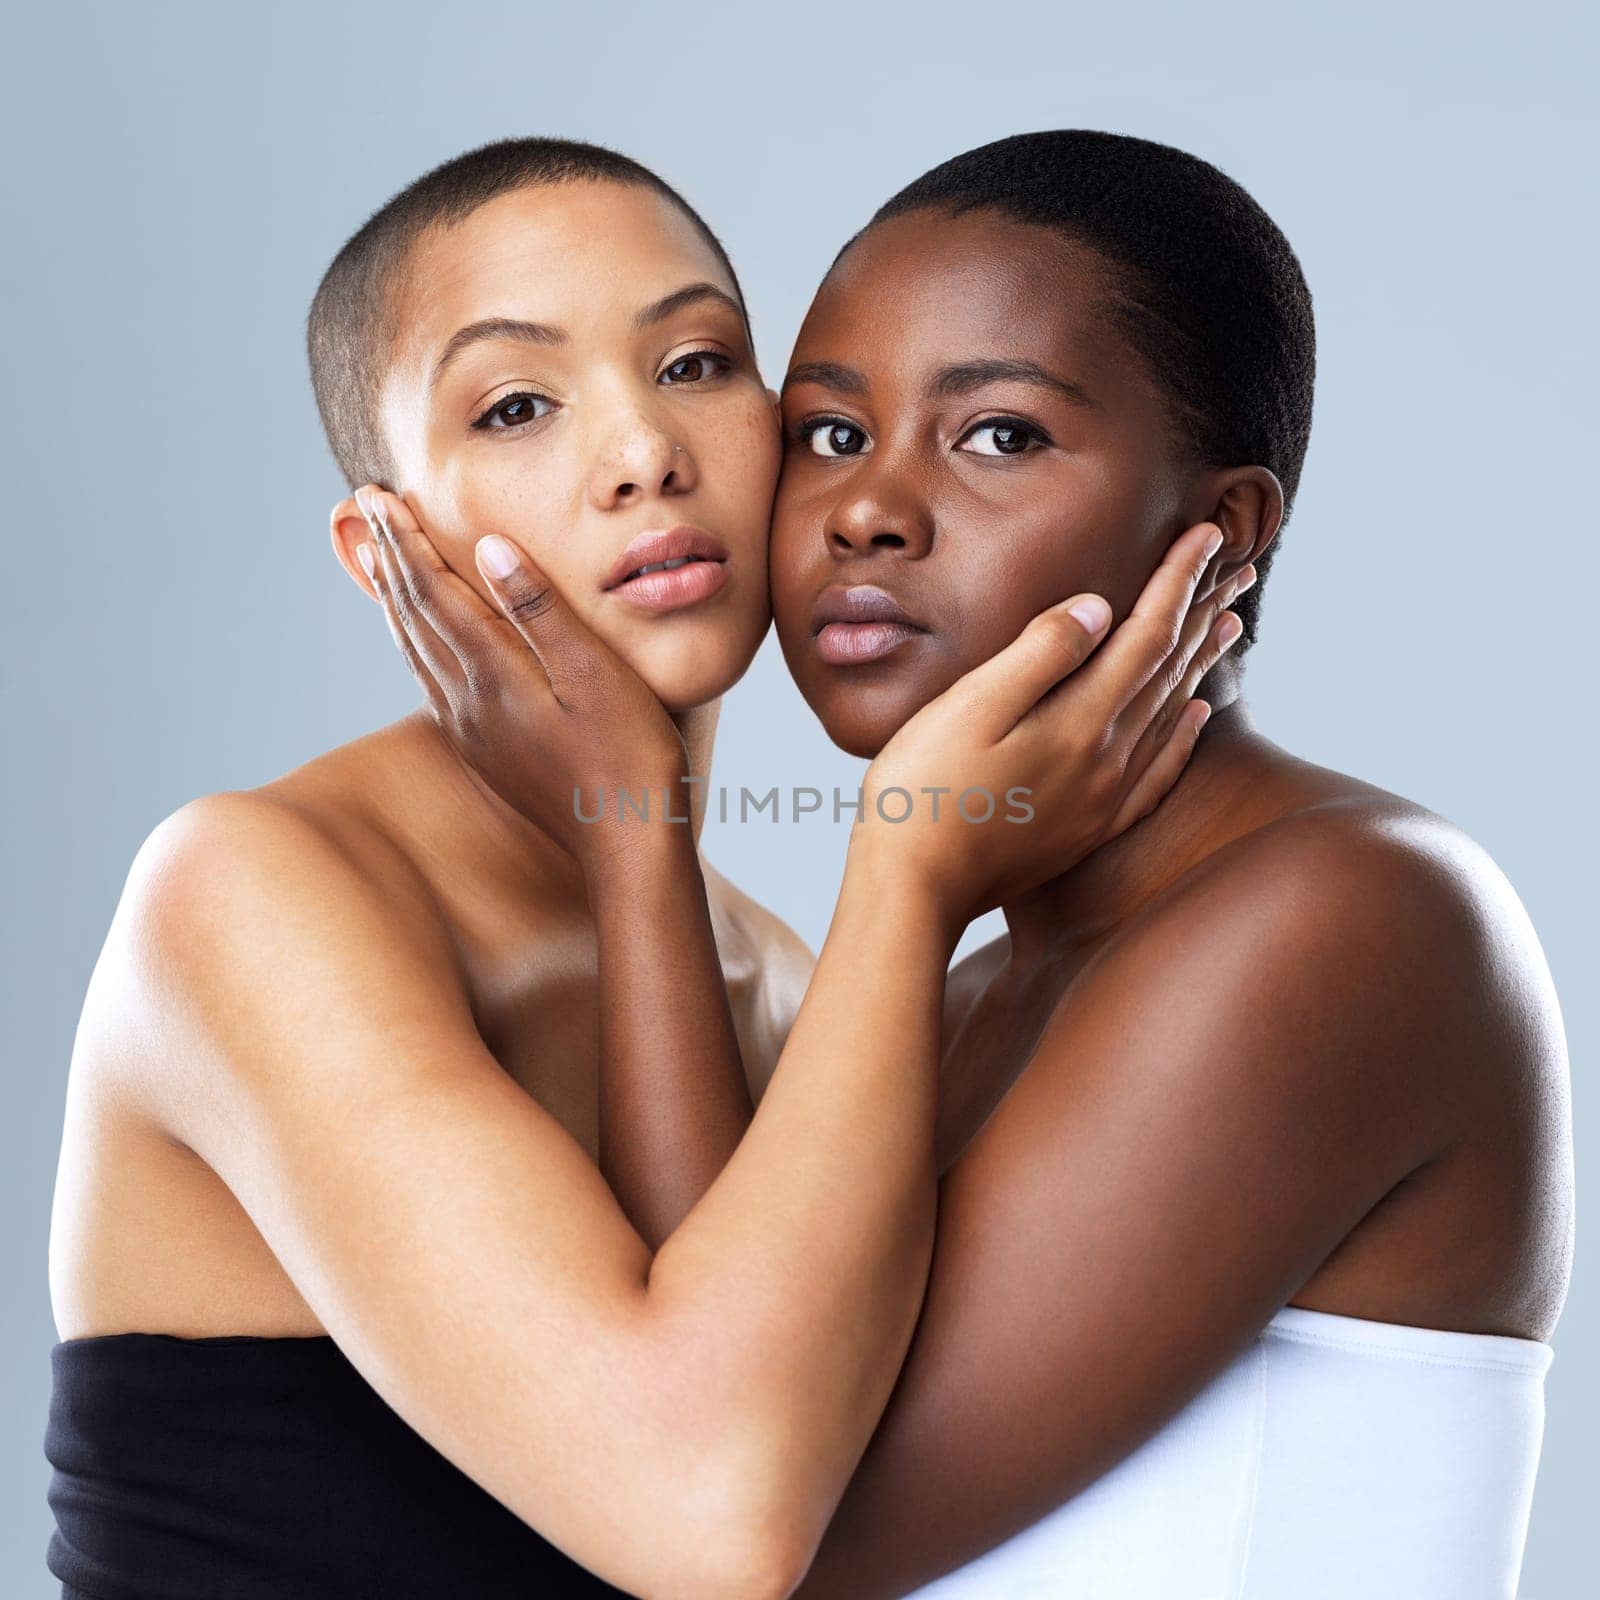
175, 179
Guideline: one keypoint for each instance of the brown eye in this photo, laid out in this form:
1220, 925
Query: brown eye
695, 368
1001, 438
514, 411
831, 437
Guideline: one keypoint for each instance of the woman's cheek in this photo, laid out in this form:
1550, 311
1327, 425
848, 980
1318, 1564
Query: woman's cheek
746, 455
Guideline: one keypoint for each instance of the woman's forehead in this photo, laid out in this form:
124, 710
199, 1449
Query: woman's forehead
570, 250
928, 288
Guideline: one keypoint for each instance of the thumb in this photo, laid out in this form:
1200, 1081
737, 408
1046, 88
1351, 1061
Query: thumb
532, 606
998, 693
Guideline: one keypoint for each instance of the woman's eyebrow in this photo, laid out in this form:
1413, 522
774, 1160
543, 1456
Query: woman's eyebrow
827, 375
692, 294
494, 328
966, 376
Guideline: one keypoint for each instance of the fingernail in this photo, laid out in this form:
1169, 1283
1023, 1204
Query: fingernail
1213, 542
368, 560
497, 556
1205, 713
364, 502
1092, 612
1230, 629
1244, 580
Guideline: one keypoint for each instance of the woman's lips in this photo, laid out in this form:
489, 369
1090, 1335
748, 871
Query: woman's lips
848, 644
668, 569
675, 587
859, 624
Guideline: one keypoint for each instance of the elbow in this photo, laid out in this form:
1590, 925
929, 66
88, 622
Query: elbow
744, 1549
756, 1564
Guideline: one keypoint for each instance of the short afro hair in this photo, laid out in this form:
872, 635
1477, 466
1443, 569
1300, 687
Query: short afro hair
350, 329
1210, 294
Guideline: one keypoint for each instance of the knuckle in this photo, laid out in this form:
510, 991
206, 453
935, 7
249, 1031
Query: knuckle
419, 589
531, 603
1059, 632
481, 678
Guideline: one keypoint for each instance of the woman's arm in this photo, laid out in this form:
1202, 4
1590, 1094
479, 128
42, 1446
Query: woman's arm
673, 1099
683, 1423
562, 729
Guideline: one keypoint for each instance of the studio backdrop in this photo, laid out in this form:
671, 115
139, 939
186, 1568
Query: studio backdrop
178, 176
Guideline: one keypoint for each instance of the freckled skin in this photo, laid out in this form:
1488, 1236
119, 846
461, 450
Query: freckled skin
622, 452
146, 1235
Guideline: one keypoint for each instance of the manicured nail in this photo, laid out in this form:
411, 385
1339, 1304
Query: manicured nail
1230, 629
1092, 612
497, 556
368, 559
364, 502
1213, 542
1205, 713
1243, 580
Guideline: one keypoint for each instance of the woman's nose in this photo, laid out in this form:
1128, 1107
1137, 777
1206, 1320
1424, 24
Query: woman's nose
638, 463
879, 515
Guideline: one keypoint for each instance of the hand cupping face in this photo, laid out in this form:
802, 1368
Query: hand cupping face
528, 695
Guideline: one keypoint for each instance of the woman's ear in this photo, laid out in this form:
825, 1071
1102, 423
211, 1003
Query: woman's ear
352, 543
1247, 504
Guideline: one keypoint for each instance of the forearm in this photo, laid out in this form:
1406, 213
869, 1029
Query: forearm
818, 1232
674, 1102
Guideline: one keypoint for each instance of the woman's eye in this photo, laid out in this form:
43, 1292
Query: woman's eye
515, 411
830, 437
696, 368
1002, 438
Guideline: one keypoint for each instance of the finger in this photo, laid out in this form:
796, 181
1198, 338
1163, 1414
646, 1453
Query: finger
441, 593
572, 657
407, 623
1195, 633
1158, 778
427, 587
1220, 638
408, 652
999, 693
1149, 634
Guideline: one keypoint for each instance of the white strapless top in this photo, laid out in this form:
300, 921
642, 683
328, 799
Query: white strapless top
1336, 1459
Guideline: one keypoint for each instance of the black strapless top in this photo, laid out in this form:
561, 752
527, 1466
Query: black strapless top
266, 1469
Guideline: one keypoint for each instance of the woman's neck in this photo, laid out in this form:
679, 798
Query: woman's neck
1220, 795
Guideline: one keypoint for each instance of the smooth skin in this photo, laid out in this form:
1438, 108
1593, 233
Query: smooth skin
530, 675
336, 1069
1289, 1040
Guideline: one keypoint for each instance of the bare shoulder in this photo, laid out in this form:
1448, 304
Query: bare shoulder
767, 966
246, 901
1362, 941
231, 867
1367, 878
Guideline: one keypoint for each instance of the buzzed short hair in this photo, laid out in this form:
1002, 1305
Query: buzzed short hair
350, 330
1208, 291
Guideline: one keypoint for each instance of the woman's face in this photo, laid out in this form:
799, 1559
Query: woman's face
574, 372
967, 441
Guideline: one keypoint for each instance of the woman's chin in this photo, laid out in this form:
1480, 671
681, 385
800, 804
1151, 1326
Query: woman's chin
859, 728
681, 681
